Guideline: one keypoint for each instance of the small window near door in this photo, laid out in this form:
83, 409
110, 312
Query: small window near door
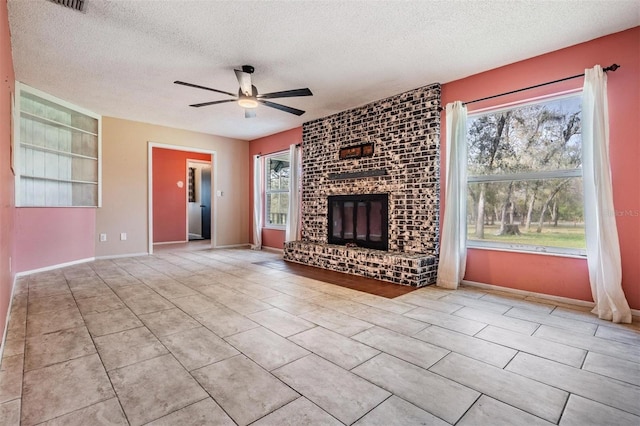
276, 190
192, 184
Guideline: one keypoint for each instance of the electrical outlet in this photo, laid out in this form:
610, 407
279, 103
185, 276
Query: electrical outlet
123, 236
103, 238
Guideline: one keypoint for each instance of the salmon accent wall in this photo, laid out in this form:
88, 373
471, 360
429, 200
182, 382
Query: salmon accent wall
278, 142
53, 235
554, 275
7, 209
169, 200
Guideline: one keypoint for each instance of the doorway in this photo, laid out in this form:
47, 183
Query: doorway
168, 186
199, 200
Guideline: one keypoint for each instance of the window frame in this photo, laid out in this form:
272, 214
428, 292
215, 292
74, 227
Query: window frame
267, 191
530, 175
17, 143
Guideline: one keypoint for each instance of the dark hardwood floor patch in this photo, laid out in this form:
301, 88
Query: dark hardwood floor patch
354, 282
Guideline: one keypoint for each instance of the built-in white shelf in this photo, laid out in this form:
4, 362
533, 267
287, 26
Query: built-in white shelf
55, 123
56, 151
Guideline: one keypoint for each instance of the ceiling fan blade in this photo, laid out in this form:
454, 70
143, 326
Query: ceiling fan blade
213, 103
205, 88
282, 107
244, 80
249, 113
286, 94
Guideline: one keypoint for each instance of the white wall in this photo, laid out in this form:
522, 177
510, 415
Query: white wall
125, 184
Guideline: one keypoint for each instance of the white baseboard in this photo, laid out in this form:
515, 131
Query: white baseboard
52, 267
6, 324
567, 300
273, 250
170, 242
119, 256
232, 246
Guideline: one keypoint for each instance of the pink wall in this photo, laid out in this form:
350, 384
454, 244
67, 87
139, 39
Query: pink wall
553, 275
51, 236
170, 201
7, 209
269, 144
43, 236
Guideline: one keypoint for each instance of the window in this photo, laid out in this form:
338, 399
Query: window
524, 187
192, 184
276, 190
58, 152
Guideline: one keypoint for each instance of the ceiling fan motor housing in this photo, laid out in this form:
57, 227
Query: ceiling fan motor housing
248, 96
254, 92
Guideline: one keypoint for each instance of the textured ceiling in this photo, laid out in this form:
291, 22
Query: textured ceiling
120, 58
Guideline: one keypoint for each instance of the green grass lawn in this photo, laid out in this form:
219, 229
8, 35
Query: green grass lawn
564, 235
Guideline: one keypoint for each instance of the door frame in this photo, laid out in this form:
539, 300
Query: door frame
214, 187
210, 164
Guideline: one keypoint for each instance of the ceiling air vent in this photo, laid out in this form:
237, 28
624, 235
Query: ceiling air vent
73, 4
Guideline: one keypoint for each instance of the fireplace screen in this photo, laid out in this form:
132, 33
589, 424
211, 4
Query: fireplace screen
359, 219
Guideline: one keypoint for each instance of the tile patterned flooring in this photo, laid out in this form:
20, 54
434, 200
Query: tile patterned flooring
213, 337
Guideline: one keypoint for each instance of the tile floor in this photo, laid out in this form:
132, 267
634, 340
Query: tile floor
209, 337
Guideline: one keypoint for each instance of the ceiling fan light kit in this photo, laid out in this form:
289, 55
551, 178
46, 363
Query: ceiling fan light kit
248, 96
246, 102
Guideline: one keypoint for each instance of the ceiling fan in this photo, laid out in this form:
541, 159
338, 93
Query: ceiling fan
248, 96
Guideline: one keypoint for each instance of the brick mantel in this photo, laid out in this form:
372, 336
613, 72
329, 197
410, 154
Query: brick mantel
405, 132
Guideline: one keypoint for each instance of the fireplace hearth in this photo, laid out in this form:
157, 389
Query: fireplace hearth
359, 220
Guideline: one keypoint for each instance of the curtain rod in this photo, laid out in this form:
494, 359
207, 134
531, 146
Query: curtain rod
260, 153
609, 68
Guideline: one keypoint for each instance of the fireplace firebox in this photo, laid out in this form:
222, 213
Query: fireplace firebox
362, 220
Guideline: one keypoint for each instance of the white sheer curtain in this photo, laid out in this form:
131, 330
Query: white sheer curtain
603, 248
453, 243
292, 232
257, 203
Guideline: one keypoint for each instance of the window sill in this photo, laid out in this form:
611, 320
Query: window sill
525, 249
275, 227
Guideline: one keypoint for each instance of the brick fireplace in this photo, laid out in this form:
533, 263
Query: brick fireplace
404, 134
